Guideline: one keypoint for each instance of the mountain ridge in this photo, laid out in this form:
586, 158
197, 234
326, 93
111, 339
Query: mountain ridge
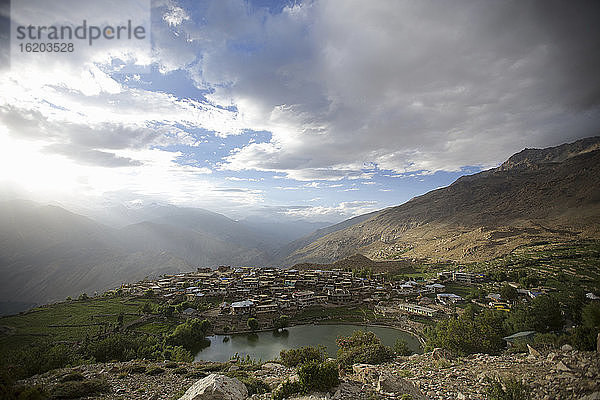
551, 193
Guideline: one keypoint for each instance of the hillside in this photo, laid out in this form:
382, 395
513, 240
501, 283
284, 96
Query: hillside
48, 253
537, 194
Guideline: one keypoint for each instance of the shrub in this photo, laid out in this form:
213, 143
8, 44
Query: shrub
253, 324
287, 389
294, 357
153, 371
357, 339
362, 347
318, 376
365, 354
255, 385
23, 392
401, 348
135, 369
72, 376
508, 389
180, 371
190, 335
122, 347
470, 333
282, 322
41, 358
76, 389
584, 338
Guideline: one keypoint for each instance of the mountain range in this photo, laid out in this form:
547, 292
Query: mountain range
48, 252
537, 194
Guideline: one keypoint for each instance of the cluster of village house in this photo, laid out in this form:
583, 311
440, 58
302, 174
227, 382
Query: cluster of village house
254, 291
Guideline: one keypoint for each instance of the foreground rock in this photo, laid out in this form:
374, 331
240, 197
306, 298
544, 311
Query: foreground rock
216, 387
559, 374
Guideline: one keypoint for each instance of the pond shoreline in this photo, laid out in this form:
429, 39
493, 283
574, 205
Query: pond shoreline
260, 344
418, 336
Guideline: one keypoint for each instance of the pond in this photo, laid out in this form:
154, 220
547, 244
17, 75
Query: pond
267, 345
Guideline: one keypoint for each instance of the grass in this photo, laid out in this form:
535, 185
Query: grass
36, 325
563, 265
158, 327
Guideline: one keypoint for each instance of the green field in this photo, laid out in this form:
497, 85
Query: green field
561, 266
67, 321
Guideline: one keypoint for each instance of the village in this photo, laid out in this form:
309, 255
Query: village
239, 293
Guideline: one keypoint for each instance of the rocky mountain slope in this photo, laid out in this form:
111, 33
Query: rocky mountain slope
563, 374
537, 194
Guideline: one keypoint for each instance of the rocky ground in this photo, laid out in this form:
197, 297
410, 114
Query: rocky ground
559, 374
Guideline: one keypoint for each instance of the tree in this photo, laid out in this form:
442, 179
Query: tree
508, 293
252, 324
282, 322
401, 348
590, 315
190, 335
542, 315
83, 296
362, 347
469, 333
146, 308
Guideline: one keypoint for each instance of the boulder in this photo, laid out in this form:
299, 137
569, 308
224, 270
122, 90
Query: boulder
366, 373
562, 367
270, 366
533, 352
389, 383
591, 396
438, 354
216, 387
566, 347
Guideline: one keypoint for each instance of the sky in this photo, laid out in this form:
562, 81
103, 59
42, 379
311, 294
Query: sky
318, 110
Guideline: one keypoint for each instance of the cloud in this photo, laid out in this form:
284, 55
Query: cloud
402, 86
342, 210
87, 156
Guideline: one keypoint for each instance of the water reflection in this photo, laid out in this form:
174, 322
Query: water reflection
267, 345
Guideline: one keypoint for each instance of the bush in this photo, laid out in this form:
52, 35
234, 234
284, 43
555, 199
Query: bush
41, 358
294, 357
286, 390
134, 369
255, 385
122, 347
153, 371
470, 333
362, 347
282, 322
584, 338
401, 348
253, 324
180, 371
508, 389
76, 389
543, 314
22, 392
318, 376
365, 354
357, 339
190, 335
72, 376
